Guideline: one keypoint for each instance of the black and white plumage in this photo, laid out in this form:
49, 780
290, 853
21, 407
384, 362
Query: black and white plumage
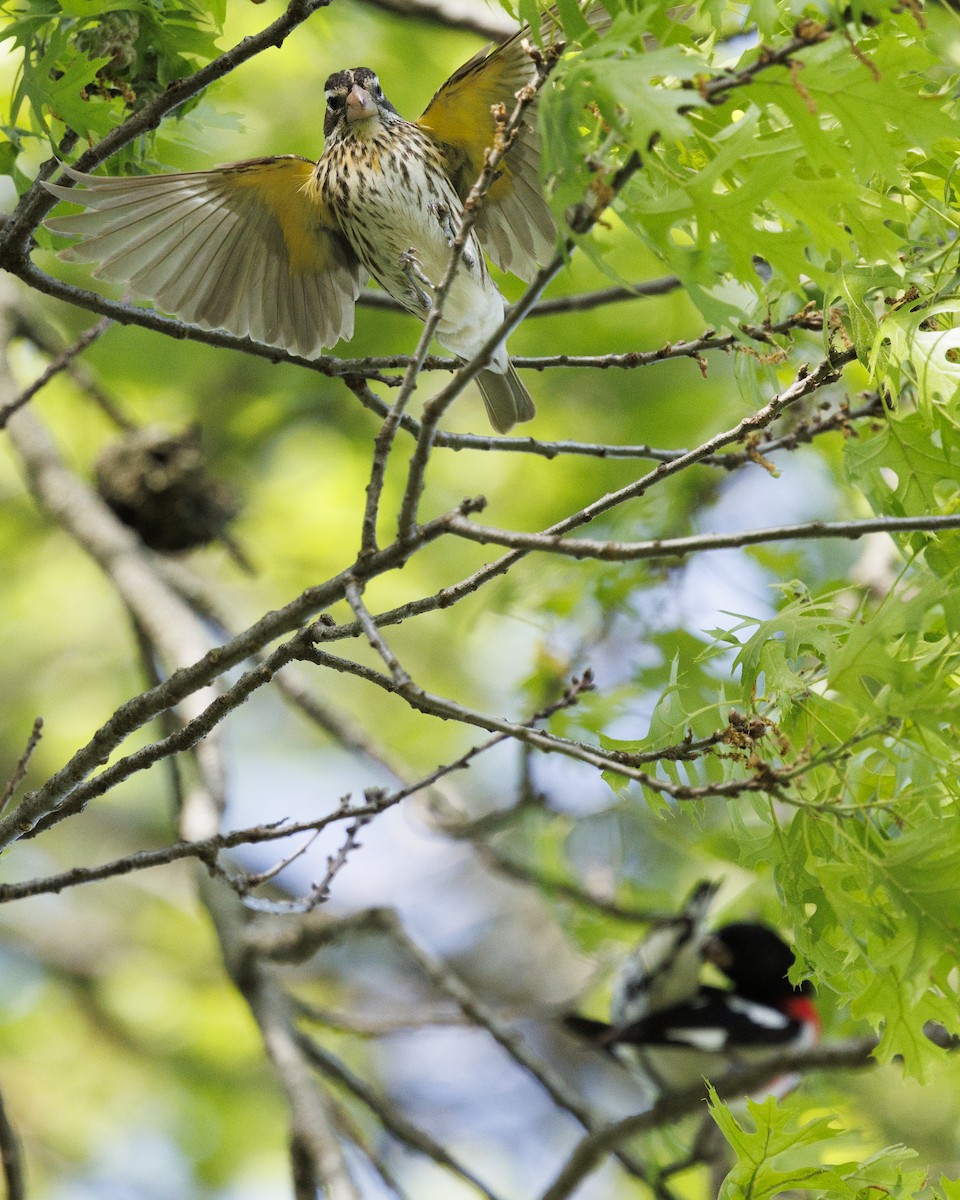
687, 1030
664, 968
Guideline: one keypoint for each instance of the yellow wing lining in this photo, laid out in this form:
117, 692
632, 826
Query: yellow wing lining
245, 247
515, 224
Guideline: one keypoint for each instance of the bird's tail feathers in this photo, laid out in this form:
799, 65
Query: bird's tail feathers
507, 400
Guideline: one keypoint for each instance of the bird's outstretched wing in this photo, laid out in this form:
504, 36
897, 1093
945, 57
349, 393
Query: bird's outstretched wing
245, 247
515, 223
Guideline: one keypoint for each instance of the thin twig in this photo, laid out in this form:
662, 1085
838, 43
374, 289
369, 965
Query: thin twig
707, 342
36, 202
354, 597
576, 302
803, 432
480, 1014
335, 863
59, 364
669, 1108
381, 1027
205, 849
682, 547
506, 138
249, 881
369, 1144
20, 770
134, 713
392, 1119
765, 778
44, 339
714, 89
562, 888
587, 301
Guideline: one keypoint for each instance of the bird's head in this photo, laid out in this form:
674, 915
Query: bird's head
756, 960
356, 105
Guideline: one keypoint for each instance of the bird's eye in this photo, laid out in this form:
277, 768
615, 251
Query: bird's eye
335, 101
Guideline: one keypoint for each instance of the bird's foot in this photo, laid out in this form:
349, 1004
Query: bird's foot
421, 288
445, 219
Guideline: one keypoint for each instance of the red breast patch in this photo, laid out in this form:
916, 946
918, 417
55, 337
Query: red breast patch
802, 1009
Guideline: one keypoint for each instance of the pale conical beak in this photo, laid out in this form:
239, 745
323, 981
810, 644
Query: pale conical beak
360, 105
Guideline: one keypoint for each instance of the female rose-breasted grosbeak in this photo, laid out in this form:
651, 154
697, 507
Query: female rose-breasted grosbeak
699, 1031
278, 248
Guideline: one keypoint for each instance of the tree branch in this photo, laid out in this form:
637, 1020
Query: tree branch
20, 770
37, 201
764, 778
805, 384
392, 1119
135, 713
660, 548
456, 14
670, 1107
61, 363
586, 301
506, 137
146, 318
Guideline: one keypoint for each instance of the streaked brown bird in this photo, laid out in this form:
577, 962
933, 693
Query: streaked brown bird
277, 249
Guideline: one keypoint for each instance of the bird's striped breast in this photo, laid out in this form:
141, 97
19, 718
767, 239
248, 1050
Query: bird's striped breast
389, 194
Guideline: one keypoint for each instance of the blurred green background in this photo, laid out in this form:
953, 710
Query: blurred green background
128, 1063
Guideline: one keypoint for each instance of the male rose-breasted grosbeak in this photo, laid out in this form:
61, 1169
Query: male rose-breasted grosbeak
699, 1030
278, 248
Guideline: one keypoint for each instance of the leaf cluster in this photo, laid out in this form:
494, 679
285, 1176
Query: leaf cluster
777, 175
771, 1160
86, 64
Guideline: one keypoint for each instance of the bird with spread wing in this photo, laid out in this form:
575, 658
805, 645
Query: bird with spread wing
277, 249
